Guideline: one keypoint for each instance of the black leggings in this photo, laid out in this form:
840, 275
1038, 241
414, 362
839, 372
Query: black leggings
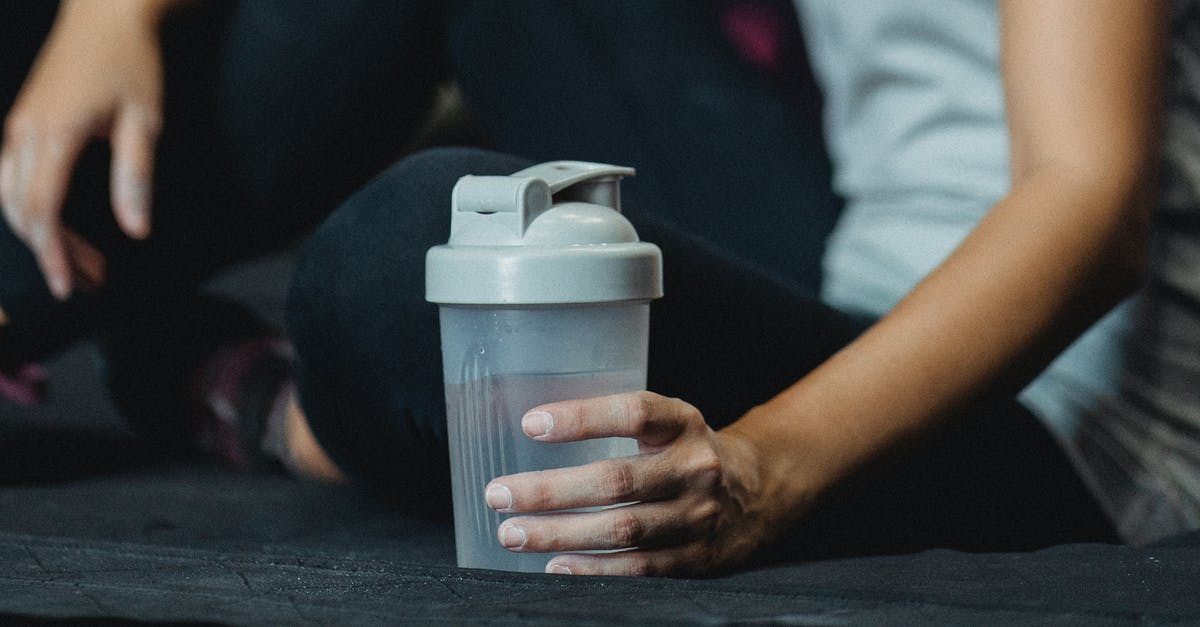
728, 335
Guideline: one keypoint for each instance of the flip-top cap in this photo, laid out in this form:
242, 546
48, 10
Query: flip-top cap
549, 234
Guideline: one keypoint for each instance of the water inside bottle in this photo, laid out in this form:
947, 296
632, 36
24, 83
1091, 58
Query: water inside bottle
486, 441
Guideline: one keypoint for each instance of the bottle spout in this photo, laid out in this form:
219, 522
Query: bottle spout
499, 209
549, 234
581, 181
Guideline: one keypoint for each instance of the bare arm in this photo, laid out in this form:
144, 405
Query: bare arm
1057, 252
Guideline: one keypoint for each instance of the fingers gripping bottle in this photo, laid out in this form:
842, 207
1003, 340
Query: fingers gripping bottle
544, 292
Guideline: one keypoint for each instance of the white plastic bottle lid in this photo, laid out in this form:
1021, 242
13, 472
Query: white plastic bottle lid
549, 234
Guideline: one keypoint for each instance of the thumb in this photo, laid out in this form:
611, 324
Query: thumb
134, 135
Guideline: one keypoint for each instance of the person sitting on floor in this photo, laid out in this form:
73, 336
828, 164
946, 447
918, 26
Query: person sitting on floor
995, 212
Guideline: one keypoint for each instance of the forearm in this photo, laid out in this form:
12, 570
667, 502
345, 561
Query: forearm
1025, 283
78, 13
1062, 247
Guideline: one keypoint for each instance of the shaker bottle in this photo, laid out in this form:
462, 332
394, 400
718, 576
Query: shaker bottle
544, 292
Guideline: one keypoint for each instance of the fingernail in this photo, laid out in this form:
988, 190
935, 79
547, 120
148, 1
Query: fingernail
558, 569
136, 201
537, 424
498, 498
134, 195
133, 198
512, 536
59, 287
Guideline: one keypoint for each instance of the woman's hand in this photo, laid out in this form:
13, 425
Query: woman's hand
695, 498
99, 75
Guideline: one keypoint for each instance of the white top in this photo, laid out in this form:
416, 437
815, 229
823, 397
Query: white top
915, 122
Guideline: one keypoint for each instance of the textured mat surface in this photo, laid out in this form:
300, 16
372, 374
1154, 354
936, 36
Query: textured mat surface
92, 527
168, 542
1086, 585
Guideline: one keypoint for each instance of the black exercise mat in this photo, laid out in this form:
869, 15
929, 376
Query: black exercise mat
94, 527
134, 537
1086, 585
192, 543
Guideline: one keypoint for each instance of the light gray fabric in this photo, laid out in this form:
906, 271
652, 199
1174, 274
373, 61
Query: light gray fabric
914, 118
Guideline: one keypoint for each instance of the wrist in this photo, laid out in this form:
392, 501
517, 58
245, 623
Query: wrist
811, 437
789, 461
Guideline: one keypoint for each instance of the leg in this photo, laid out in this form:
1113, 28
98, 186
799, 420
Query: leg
368, 360
298, 450
991, 479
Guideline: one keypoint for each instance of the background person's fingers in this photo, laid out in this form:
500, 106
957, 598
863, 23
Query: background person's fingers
20, 157
43, 172
651, 418
87, 263
8, 175
49, 247
134, 136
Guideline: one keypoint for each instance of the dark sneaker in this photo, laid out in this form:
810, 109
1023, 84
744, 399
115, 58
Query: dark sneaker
200, 374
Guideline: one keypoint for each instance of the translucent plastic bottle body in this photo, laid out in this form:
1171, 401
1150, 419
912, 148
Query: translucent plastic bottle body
498, 364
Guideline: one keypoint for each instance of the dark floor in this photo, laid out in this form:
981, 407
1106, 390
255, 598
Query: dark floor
95, 528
